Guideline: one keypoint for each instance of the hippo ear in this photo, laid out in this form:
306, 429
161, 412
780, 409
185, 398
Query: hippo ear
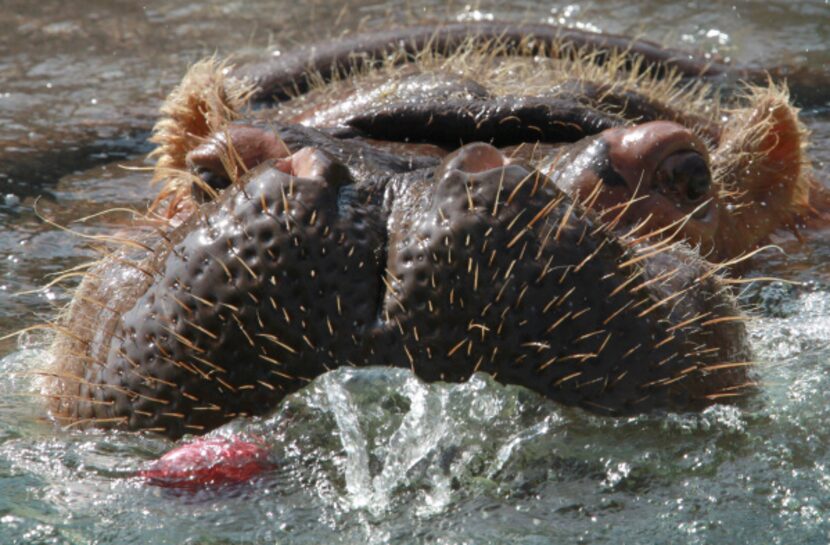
781, 155
761, 167
204, 103
771, 146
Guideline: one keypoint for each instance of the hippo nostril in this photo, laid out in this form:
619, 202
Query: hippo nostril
687, 174
698, 185
210, 182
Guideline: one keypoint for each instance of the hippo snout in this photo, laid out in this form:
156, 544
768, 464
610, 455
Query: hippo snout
478, 264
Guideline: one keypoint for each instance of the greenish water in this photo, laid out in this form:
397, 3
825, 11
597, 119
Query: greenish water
375, 456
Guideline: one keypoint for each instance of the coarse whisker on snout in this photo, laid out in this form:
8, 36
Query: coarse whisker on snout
59, 278
624, 207
750, 279
677, 225
68, 397
38, 327
133, 213
123, 241
726, 265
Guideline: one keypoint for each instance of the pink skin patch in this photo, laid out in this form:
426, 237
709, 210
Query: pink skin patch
209, 462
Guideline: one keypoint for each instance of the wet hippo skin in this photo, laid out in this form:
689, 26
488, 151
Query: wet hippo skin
552, 235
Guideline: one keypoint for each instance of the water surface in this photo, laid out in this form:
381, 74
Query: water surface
375, 456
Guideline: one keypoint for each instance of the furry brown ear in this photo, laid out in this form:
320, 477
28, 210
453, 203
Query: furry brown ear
763, 170
776, 169
202, 104
784, 173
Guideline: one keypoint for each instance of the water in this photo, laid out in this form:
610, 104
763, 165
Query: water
375, 456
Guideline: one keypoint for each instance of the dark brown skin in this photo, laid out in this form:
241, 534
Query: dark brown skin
657, 172
662, 170
400, 235
477, 264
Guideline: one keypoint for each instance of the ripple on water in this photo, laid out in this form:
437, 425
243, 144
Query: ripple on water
377, 456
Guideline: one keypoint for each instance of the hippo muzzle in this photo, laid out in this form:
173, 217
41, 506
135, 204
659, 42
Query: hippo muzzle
479, 263
422, 219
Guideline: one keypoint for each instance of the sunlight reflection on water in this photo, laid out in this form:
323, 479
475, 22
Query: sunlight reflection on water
376, 456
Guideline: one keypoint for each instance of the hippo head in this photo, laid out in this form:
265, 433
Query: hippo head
426, 227
477, 263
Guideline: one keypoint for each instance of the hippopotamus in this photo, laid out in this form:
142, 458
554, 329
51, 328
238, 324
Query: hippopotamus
553, 207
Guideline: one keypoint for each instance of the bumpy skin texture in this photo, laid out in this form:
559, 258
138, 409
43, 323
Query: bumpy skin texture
337, 248
447, 272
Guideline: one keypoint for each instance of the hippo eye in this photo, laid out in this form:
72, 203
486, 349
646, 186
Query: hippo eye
212, 179
687, 174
